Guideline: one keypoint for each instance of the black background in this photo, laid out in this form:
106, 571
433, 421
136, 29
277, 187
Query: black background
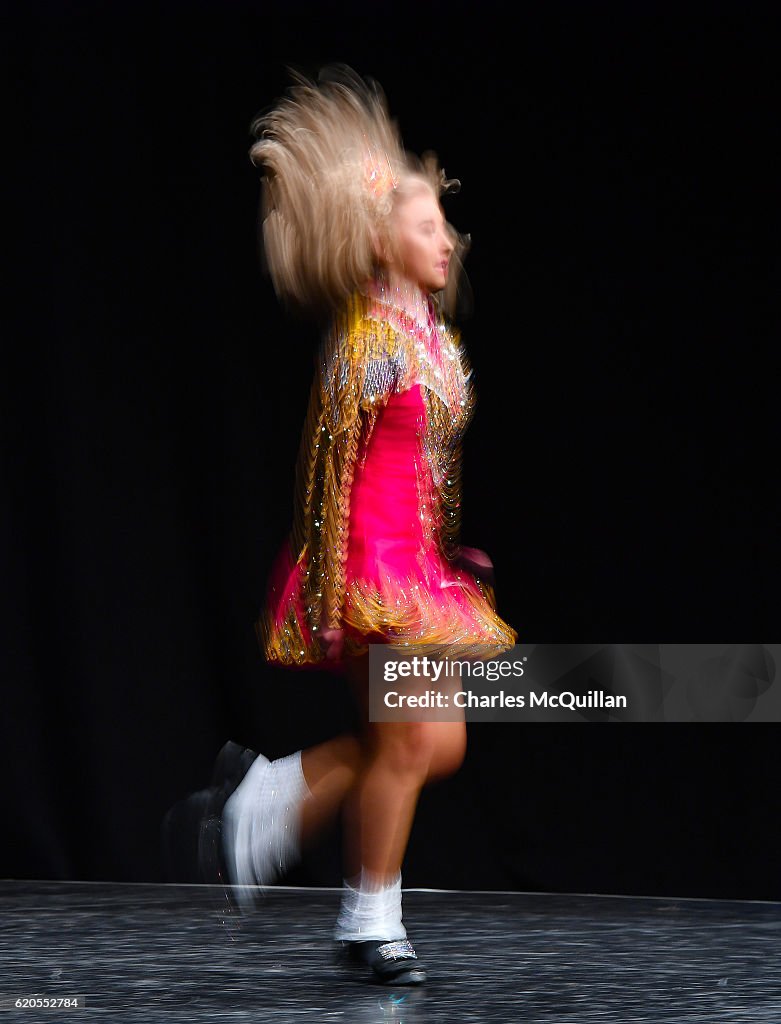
619, 176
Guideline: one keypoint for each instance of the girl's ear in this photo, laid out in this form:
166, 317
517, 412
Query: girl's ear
381, 246
376, 246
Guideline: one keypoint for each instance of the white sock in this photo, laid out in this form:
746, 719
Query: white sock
370, 909
276, 831
262, 821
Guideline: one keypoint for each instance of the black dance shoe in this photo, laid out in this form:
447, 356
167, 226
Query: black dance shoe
392, 963
232, 764
191, 829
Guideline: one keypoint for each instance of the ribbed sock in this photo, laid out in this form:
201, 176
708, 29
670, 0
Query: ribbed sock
370, 909
276, 827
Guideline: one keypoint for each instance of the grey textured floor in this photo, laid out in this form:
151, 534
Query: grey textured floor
151, 953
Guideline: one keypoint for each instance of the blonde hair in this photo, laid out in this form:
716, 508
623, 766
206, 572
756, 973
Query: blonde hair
334, 168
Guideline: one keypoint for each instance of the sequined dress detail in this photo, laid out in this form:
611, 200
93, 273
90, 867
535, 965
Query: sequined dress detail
377, 509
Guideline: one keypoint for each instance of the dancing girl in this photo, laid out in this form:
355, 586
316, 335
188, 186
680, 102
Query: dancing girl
354, 230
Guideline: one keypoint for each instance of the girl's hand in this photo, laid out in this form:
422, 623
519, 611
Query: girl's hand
332, 642
477, 562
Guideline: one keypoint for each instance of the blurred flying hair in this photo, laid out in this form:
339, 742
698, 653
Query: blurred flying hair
334, 167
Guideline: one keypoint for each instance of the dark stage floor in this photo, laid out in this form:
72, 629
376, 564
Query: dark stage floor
151, 953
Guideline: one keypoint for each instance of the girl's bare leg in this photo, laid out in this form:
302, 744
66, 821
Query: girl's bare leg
392, 761
330, 770
401, 757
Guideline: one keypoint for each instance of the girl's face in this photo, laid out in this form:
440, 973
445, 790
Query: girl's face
422, 246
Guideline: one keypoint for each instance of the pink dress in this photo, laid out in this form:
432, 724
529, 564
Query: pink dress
395, 570
399, 585
379, 545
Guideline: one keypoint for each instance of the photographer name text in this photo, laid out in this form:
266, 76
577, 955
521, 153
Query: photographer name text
469, 699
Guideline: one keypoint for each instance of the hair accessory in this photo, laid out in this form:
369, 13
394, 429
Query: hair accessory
379, 179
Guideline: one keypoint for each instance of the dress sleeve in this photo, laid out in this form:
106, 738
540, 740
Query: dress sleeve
355, 375
449, 492
447, 456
